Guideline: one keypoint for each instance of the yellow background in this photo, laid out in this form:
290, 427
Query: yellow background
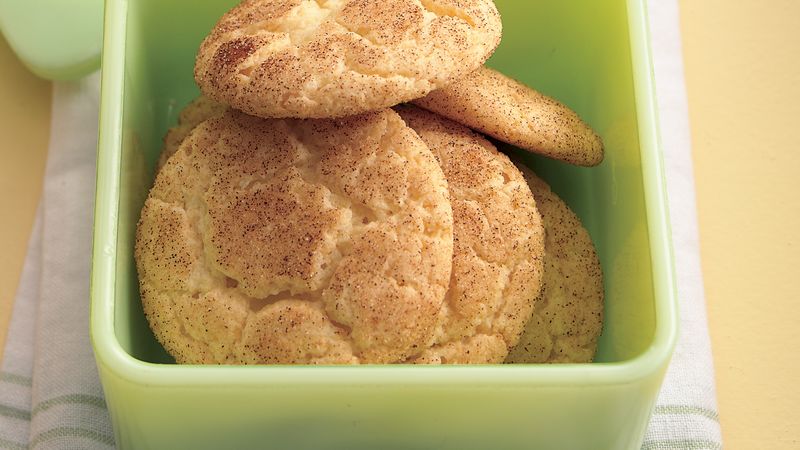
743, 78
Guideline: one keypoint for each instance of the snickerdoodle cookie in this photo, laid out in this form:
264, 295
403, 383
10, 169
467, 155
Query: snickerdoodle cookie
568, 317
334, 58
498, 245
296, 242
505, 109
196, 112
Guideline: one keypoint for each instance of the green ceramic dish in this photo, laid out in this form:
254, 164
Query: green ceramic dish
55, 39
592, 55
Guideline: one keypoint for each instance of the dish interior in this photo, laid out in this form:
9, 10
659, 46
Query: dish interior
577, 52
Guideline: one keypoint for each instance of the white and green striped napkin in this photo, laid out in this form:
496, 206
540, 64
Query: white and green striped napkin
17, 369
686, 413
50, 395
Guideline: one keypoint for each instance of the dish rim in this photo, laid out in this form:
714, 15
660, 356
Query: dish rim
112, 357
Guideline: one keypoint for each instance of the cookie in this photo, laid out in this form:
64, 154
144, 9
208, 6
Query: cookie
507, 110
199, 110
335, 58
296, 242
498, 245
568, 317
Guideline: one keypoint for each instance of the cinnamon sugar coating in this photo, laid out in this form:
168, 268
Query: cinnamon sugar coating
334, 58
498, 245
568, 317
296, 242
494, 104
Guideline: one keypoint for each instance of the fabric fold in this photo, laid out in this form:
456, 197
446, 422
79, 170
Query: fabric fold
686, 411
51, 396
16, 371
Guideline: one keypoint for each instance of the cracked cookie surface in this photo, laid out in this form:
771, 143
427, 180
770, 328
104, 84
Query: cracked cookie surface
498, 245
334, 58
568, 317
197, 111
296, 242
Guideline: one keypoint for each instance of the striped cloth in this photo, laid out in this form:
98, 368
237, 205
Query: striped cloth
50, 396
686, 413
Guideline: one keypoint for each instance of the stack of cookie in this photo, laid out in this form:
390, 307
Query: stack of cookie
304, 212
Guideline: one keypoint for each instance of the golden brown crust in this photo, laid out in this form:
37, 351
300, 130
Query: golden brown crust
309, 241
334, 58
199, 110
498, 244
505, 109
568, 317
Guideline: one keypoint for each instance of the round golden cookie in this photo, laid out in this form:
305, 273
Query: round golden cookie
505, 109
568, 317
334, 58
196, 112
498, 245
296, 241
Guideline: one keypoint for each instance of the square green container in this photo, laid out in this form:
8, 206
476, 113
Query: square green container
592, 55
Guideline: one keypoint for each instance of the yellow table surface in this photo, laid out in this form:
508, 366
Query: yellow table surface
25, 130
743, 80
